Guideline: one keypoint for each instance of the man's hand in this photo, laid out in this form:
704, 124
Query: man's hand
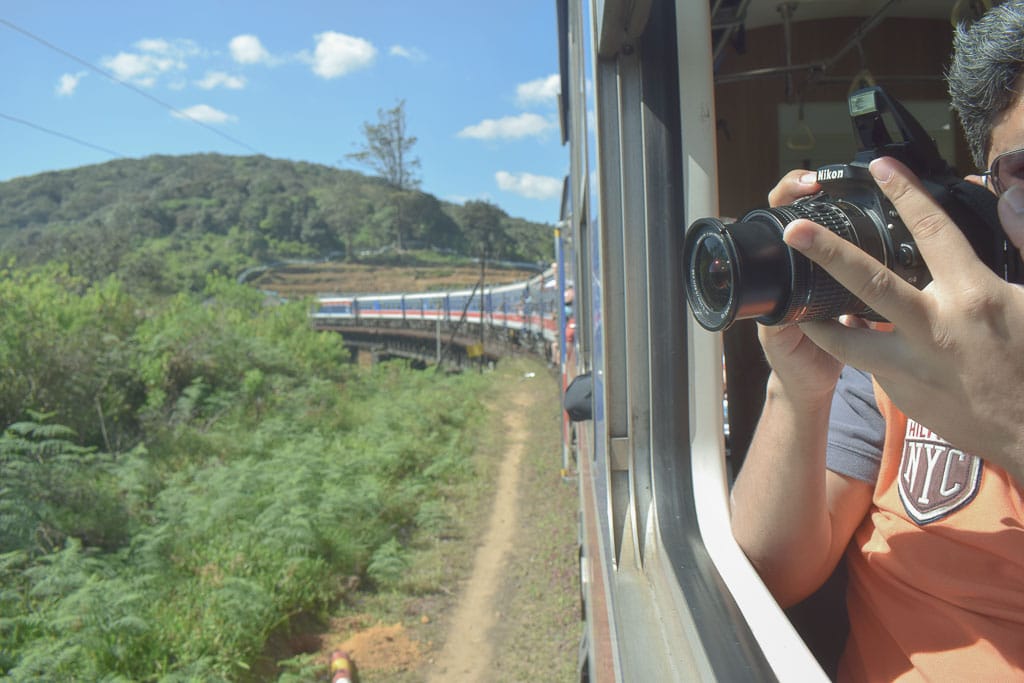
807, 373
955, 360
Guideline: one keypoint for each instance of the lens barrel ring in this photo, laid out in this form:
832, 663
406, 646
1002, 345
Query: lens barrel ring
814, 294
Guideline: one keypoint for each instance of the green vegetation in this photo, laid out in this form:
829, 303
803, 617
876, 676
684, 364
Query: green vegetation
537, 624
189, 473
225, 467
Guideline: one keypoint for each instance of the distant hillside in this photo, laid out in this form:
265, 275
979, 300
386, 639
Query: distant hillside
164, 223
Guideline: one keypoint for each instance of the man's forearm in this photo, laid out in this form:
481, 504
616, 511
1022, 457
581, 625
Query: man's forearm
780, 508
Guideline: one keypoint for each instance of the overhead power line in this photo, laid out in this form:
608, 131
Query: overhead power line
135, 89
57, 133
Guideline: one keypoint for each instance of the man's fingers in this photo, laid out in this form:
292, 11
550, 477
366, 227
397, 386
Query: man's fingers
793, 185
942, 244
880, 353
856, 270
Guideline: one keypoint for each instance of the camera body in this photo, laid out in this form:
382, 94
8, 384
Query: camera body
744, 269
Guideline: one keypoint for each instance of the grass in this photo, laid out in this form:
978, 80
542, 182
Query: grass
538, 633
538, 630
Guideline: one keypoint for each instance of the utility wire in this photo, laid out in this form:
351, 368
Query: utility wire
137, 90
23, 122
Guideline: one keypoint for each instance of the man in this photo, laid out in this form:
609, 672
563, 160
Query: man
929, 512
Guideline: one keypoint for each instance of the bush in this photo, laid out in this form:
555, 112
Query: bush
265, 469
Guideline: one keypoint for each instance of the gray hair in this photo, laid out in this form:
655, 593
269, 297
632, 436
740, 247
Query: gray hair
988, 59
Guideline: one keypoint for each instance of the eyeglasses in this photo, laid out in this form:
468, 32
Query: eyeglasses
1006, 170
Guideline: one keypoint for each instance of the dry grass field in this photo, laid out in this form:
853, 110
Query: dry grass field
299, 281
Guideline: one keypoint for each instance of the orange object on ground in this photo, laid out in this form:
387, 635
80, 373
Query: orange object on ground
341, 667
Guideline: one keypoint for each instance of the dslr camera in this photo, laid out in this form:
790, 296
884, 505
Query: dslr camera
744, 270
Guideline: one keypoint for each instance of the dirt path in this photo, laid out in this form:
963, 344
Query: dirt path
506, 606
467, 654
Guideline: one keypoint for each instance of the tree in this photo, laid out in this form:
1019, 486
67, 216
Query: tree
346, 212
388, 151
429, 224
483, 224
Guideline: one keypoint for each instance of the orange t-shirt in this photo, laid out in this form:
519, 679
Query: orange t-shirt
937, 567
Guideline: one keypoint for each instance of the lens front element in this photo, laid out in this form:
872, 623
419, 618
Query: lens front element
710, 275
713, 271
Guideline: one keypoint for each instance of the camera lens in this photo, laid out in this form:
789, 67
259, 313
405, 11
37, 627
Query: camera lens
735, 271
713, 267
744, 269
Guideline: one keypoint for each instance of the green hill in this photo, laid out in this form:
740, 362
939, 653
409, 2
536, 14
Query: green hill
165, 223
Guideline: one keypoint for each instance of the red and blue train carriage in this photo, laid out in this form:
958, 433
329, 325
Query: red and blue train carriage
528, 311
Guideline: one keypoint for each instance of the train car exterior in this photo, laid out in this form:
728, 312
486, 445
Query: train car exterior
530, 308
382, 307
335, 308
504, 301
424, 306
674, 110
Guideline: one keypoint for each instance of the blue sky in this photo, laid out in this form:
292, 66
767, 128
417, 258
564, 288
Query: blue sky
291, 80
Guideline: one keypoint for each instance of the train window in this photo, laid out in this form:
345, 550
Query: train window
813, 134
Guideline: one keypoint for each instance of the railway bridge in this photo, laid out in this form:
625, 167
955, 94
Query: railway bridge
438, 343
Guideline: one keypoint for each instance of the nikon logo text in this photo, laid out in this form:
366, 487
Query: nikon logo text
830, 174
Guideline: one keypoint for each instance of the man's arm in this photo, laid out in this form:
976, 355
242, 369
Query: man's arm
791, 516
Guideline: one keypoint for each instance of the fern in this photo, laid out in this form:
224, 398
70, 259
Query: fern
46, 483
388, 565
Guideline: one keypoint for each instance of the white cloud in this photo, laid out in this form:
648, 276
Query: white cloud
205, 114
141, 69
539, 91
154, 57
413, 54
508, 127
247, 49
68, 83
529, 185
221, 79
154, 45
338, 54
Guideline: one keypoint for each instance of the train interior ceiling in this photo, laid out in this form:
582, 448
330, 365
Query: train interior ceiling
783, 71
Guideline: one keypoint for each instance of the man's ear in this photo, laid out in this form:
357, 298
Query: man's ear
976, 179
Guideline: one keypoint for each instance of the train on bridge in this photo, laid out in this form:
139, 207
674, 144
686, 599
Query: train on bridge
458, 325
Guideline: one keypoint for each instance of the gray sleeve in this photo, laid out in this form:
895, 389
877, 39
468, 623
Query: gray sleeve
856, 428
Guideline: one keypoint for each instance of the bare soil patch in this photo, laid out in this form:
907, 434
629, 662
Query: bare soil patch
376, 647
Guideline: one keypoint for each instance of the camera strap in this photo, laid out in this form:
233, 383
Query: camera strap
973, 208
